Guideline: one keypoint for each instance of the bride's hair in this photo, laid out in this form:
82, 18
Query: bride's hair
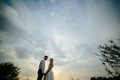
51, 61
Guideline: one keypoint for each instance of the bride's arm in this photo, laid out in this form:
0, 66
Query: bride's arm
49, 69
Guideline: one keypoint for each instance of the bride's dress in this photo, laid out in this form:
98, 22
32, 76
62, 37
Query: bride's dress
50, 75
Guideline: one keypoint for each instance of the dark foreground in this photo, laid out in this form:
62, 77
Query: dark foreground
104, 78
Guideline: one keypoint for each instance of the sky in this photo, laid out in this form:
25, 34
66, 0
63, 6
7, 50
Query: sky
67, 30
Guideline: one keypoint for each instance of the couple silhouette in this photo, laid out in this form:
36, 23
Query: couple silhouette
48, 74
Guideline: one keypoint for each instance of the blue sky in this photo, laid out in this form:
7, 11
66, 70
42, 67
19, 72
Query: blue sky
67, 30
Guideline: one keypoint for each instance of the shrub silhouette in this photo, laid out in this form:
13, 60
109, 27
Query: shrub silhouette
110, 55
105, 78
8, 71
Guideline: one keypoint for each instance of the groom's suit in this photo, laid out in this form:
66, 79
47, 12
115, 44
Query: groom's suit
41, 69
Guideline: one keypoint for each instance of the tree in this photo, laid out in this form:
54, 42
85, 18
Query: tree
110, 57
8, 71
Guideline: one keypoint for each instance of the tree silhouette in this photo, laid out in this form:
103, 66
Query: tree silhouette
8, 71
110, 57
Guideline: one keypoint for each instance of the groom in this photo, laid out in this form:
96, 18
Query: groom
41, 68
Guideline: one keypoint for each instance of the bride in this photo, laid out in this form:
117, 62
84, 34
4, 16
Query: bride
49, 75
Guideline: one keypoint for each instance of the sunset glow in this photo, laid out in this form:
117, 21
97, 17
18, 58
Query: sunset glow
69, 31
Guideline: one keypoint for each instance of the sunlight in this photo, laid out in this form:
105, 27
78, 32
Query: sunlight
69, 31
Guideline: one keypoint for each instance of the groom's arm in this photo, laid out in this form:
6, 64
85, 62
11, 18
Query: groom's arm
42, 66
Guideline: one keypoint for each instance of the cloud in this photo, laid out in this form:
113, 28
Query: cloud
68, 31
22, 53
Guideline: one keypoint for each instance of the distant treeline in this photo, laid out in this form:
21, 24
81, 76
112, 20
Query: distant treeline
104, 78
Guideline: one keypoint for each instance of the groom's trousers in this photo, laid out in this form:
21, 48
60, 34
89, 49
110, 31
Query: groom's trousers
40, 74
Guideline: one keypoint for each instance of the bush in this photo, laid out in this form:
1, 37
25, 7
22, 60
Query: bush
8, 71
104, 78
